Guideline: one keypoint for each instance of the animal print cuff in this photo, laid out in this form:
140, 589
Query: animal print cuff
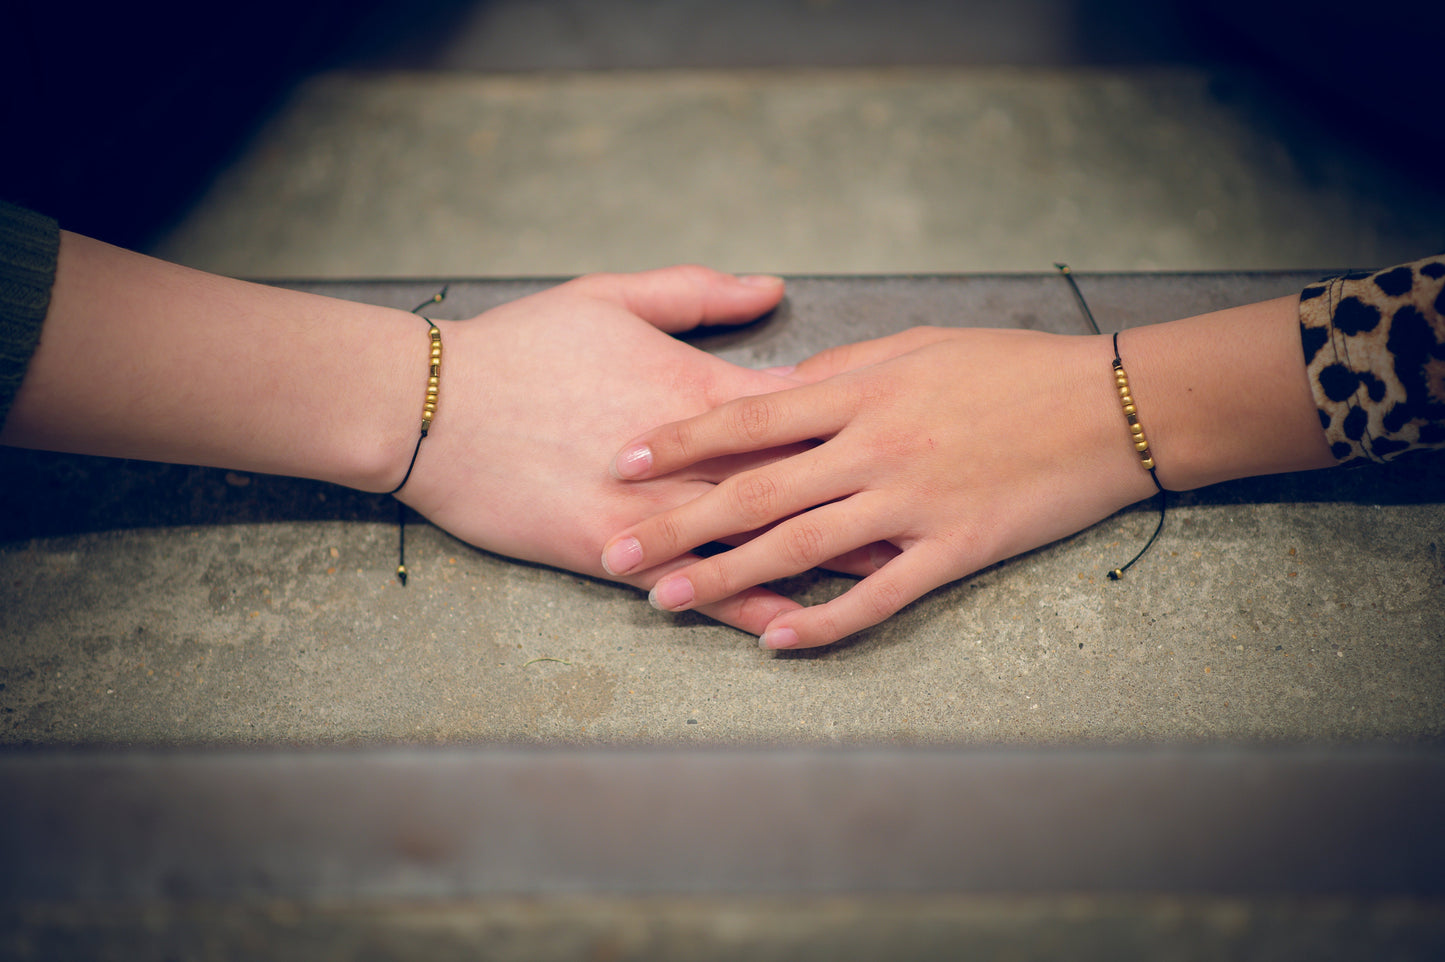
1374, 348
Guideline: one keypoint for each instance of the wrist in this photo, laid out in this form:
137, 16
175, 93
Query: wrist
1225, 395
382, 416
1112, 458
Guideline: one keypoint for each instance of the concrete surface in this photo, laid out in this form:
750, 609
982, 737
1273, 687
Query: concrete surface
1307, 608
667, 854
831, 172
181, 608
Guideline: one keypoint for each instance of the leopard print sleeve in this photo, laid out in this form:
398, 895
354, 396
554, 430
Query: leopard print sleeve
1374, 347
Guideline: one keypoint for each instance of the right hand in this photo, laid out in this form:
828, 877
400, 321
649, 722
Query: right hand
962, 447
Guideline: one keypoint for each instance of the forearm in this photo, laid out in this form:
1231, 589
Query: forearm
139, 358
1225, 395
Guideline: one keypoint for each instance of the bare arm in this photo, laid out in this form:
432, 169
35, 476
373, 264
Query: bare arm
144, 359
963, 447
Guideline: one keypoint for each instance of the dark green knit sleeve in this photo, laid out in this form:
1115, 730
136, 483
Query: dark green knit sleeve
29, 245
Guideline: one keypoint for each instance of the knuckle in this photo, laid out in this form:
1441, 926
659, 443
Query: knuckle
594, 282
755, 498
882, 599
825, 628
804, 543
667, 535
693, 273
835, 357
713, 579
681, 441
753, 418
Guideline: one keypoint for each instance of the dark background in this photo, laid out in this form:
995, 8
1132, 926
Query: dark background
116, 116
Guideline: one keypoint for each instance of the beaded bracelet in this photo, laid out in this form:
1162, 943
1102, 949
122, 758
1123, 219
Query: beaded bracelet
1131, 414
428, 413
1131, 417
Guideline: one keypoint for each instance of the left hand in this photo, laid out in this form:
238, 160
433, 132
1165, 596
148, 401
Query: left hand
538, 393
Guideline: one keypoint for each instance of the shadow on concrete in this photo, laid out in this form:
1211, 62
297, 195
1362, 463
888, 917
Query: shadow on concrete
50, 495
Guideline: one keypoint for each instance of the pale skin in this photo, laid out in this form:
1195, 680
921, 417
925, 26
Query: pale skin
964, 447
144, 359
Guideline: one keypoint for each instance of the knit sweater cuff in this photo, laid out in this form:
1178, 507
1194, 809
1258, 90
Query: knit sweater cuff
29, 246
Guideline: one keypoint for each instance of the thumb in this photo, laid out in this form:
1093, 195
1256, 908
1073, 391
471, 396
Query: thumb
676, 299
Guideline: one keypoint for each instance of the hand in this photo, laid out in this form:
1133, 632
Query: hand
538, 393
961, 447
534, 394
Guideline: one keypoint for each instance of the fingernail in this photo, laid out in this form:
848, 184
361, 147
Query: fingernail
632, 463
778, 638
671, 594
622, 556
760, 280
783, 371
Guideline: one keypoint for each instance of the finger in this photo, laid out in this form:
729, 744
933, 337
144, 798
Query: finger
848, 357
797, 545
743, 503
751, 610
681, 298
722, 468
745, 424
862, 562
878, 596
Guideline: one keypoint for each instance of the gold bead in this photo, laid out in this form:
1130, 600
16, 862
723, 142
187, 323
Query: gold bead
1148, 464
1136, 429
1126, 400
435, 333
433, 381
1130, 410
1141, 445
1124, 392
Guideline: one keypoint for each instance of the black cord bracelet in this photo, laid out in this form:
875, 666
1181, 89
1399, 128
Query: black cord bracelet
428, 413
1131, 418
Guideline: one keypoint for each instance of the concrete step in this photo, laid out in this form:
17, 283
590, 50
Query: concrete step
846, 171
